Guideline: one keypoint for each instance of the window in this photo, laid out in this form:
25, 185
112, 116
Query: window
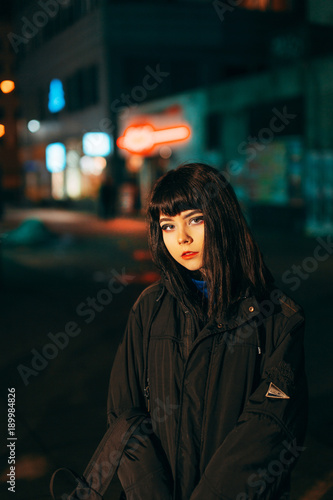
73, 92
81, 88
90, 86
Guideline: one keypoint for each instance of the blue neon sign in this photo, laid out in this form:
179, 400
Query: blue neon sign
96, 144
56, 96
55, 157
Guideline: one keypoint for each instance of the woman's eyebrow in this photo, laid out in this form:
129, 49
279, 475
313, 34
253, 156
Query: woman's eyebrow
197, 211
163, 219
193, 212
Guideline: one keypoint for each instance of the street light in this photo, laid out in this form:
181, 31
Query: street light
7, 86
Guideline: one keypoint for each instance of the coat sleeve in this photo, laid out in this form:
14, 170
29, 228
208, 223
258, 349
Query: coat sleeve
256, 457
143, 470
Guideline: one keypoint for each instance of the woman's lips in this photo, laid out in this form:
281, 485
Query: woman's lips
189, 255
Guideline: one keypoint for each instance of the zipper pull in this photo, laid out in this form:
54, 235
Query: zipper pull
146, 393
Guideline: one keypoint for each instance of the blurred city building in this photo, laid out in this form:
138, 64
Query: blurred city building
10, 171
250, 79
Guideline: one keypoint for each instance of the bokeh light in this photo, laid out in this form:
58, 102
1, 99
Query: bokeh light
33, 126
92, 165
7, 86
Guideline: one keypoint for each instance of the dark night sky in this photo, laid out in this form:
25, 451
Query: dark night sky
5, 10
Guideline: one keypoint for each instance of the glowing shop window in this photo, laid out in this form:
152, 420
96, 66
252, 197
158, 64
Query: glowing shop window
55, 157
92, 165
73, 182
96, 144
58, 185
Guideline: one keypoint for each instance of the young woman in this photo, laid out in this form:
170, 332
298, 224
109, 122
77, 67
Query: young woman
213, 351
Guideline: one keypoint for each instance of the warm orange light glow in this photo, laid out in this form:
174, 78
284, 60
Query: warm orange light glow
257, 4
2, 130
7, 86
141, 139
277, 5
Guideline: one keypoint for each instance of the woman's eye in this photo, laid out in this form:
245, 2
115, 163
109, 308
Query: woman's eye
197, 220
166, 227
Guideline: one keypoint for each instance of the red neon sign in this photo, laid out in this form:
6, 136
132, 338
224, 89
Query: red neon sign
141, 139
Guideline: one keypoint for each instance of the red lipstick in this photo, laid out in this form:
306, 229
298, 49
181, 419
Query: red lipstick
189, 255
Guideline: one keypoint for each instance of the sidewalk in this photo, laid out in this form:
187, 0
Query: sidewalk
79, 223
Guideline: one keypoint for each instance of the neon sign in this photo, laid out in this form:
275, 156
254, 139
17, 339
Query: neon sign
141, 139
55, 157
56, 96
96, 144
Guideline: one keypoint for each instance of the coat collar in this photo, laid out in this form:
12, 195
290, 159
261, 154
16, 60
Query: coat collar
246, 309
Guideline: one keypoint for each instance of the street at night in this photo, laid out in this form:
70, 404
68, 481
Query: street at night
61, 400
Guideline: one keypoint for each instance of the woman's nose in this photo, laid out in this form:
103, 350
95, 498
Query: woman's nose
183, 237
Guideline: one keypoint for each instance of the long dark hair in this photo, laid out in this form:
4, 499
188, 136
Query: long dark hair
232, 260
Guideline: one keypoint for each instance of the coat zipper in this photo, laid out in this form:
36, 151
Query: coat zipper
146, 390
147, 394
187, 334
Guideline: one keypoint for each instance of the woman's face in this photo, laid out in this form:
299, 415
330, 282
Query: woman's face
183, 235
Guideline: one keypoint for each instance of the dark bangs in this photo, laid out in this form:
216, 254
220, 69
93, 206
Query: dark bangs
174, 193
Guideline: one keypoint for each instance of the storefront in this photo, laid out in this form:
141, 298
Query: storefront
72, 169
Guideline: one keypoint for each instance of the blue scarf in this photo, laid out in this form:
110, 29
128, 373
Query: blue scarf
202, 286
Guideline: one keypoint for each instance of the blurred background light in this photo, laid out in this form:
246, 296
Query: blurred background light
55, 156
2, 130
73, 159
7, 86
73, 182
92, 165
33, 126
58, 185
56, 96
134, 163
165, 152
96, 144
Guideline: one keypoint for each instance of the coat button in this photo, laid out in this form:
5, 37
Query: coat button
251, 309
